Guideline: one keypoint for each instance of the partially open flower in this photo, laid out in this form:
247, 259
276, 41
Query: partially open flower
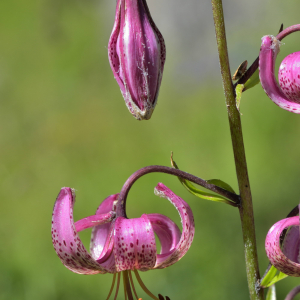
285, 257
119, 244
287, 94
137, 53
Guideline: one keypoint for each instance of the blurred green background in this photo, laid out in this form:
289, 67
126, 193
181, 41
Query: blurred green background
64, 123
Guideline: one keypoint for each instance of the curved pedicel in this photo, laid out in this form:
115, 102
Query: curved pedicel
287, 95
120, 209
286, 257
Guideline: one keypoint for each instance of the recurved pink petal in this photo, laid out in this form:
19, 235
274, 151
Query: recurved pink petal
94, 220
188, 228
287, 259
134, 244
166, 230
65, 238
267, 56
290, 245
100, 233
113, 56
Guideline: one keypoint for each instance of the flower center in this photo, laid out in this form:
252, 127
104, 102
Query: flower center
129, 286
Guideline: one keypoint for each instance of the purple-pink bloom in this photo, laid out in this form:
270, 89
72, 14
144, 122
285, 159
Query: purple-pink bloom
286, 94
137, 53
117, 243
286, 256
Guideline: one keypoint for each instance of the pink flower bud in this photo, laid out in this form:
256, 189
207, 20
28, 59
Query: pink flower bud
137, 54
287, 94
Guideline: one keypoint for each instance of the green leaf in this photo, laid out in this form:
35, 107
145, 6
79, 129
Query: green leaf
252, 81
201, 194
221, 184
238, 91
270, 278
271, 295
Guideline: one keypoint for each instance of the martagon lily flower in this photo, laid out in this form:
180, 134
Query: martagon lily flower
120, 245
137, 54
286, 94
285, 256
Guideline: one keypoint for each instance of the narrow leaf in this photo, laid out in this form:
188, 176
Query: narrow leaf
221, 184
270, 278
201, 194
252, 81
238, 91
271, 295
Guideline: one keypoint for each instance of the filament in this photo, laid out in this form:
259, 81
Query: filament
143, 285
118, 285
131, 281
124, 284
127, 288
112, 286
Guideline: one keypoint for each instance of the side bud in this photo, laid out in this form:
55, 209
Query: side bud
137, 53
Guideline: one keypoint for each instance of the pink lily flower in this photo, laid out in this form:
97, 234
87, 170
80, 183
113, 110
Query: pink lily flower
286, 94
284, 255
137, 54
119, 244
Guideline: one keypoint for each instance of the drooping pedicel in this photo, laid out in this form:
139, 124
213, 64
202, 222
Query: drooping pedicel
286, 94
137, 53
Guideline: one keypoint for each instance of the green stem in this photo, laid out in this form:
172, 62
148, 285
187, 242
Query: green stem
246, 208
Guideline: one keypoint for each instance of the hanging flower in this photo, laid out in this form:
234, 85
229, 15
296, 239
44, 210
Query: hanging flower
137, 53
286, 94
119, 244
285, 256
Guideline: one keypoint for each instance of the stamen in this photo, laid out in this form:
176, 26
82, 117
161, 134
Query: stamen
112, 286
143, 285
118, 285
132, 285
124, 284
127, 288
161, 297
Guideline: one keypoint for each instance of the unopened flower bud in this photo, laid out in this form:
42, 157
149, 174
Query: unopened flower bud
137, 54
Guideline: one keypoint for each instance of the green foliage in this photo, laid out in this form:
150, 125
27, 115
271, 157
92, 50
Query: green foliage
64, 123
201, 194
272, 277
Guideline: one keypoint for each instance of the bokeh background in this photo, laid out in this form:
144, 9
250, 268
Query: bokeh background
64, 123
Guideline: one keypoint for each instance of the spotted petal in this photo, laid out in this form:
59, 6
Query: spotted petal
188, 228
166, 230
267, 56
134, 244
286, 259
65, 238
101, 245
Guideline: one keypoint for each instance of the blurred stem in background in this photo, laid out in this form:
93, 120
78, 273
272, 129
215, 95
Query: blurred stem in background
246, 208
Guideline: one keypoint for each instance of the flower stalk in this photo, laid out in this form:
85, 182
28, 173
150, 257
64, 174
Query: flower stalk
245, 208
121, 211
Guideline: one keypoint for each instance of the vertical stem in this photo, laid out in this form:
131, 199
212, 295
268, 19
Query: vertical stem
246, 208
